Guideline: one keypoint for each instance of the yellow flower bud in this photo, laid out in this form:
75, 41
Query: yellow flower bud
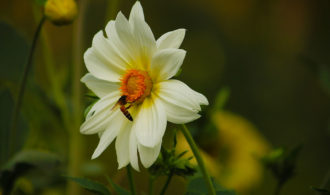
61, 12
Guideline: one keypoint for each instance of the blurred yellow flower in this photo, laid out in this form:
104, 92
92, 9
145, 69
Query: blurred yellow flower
61, 12
244, 147
238, 148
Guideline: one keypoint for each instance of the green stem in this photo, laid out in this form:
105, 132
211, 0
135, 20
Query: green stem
278, 188
131, 179
22, 87
167, 183
151, 184
199, 159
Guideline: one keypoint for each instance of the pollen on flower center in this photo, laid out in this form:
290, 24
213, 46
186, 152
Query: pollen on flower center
136, 85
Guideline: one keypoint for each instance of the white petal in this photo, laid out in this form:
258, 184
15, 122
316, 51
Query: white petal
122, 146
121, 54
100, 114
146, 43
124, 33
178, 114
100, 87
116, 123
166, 63
181, 103
104, 60
99, 66
136, 12
110, 29
172, 39
149, 155
150, 122
108, 50
133, 157
136, 40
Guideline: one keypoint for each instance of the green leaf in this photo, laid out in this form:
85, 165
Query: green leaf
197, 186
40, 159
118, 189
91, 186
13, 53
282, 163
7, 107
321, 190
23, 162
41, 2
221, 98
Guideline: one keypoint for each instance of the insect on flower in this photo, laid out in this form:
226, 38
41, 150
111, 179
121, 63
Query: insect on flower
129, 69
122, 103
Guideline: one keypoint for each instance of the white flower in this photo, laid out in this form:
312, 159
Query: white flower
127, 63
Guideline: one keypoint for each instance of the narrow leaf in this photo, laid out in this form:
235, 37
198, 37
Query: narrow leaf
90, 185
321, 190
118, 189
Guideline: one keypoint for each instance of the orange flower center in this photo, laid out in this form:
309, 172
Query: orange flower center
136, 85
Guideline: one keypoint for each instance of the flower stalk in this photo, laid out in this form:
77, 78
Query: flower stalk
199, 159
22, 86
167, 183
131, 179
151, 184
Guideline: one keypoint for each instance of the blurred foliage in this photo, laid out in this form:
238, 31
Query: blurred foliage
13, 53
196, 186
118, 189
7, 105
324, 74
90, 185
321, 191
282, 163
169, 163
24, 162
40, 2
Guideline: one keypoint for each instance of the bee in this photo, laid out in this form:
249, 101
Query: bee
122, 103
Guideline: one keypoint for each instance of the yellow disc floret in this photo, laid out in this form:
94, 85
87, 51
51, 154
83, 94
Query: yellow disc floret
136, 85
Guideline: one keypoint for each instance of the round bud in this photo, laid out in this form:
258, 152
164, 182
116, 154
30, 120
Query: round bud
61, 12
